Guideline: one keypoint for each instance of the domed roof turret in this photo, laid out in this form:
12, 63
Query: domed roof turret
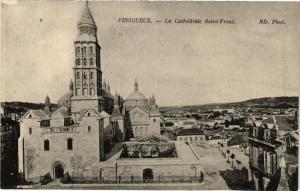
136, 95
136, 98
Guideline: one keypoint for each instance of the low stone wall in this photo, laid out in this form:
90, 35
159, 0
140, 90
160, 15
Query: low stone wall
137, 180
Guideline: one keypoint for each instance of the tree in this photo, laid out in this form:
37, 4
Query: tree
232, 156
238, 163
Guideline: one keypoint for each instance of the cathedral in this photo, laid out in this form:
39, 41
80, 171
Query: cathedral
74, 137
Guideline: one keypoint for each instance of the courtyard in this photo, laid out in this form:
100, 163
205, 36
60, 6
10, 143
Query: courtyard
214, 166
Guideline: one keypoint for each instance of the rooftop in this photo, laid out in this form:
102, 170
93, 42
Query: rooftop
192, 131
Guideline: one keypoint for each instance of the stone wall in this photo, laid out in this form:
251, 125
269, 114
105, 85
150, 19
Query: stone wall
81, 161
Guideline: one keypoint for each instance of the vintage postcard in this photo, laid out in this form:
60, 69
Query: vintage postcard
139, 95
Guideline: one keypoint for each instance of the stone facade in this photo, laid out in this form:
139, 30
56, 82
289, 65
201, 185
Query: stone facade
142, 116
265, 154
71, 138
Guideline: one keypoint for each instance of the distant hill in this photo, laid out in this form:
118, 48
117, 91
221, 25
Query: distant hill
266, 102
273, 101
20, 107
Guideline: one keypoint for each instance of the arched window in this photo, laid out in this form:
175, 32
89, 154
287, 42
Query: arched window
142, 131
84, 75
29, 116
77, 91
91, 75
84, 61
92, 91
84, 50
78, 50
30, 130
46, 145
91, 49
85, 91
91, 61
78, 61
89, 129
78, 75
70, 144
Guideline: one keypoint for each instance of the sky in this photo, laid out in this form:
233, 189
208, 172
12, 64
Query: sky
182, 64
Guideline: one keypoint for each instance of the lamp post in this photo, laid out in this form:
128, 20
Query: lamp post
116, 173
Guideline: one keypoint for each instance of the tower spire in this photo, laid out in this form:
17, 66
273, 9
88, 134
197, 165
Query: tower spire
136, 85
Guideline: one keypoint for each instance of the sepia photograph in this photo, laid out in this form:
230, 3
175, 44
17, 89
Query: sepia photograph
149, 95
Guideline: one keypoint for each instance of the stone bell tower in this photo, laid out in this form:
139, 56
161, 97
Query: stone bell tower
87, 74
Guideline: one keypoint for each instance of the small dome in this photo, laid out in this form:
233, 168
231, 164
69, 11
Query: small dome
64, 99
136, 96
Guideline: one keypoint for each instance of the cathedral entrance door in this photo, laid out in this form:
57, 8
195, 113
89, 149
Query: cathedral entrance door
147, 175
58, 171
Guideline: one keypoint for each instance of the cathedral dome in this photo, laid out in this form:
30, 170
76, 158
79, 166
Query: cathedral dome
136, 98
136, 95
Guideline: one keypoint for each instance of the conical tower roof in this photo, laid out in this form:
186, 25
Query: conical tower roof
86, 17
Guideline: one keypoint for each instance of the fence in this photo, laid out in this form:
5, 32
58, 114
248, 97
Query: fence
137, 180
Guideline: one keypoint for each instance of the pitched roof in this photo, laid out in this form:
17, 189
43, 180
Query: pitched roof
60, 112
116, 112
40, 114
